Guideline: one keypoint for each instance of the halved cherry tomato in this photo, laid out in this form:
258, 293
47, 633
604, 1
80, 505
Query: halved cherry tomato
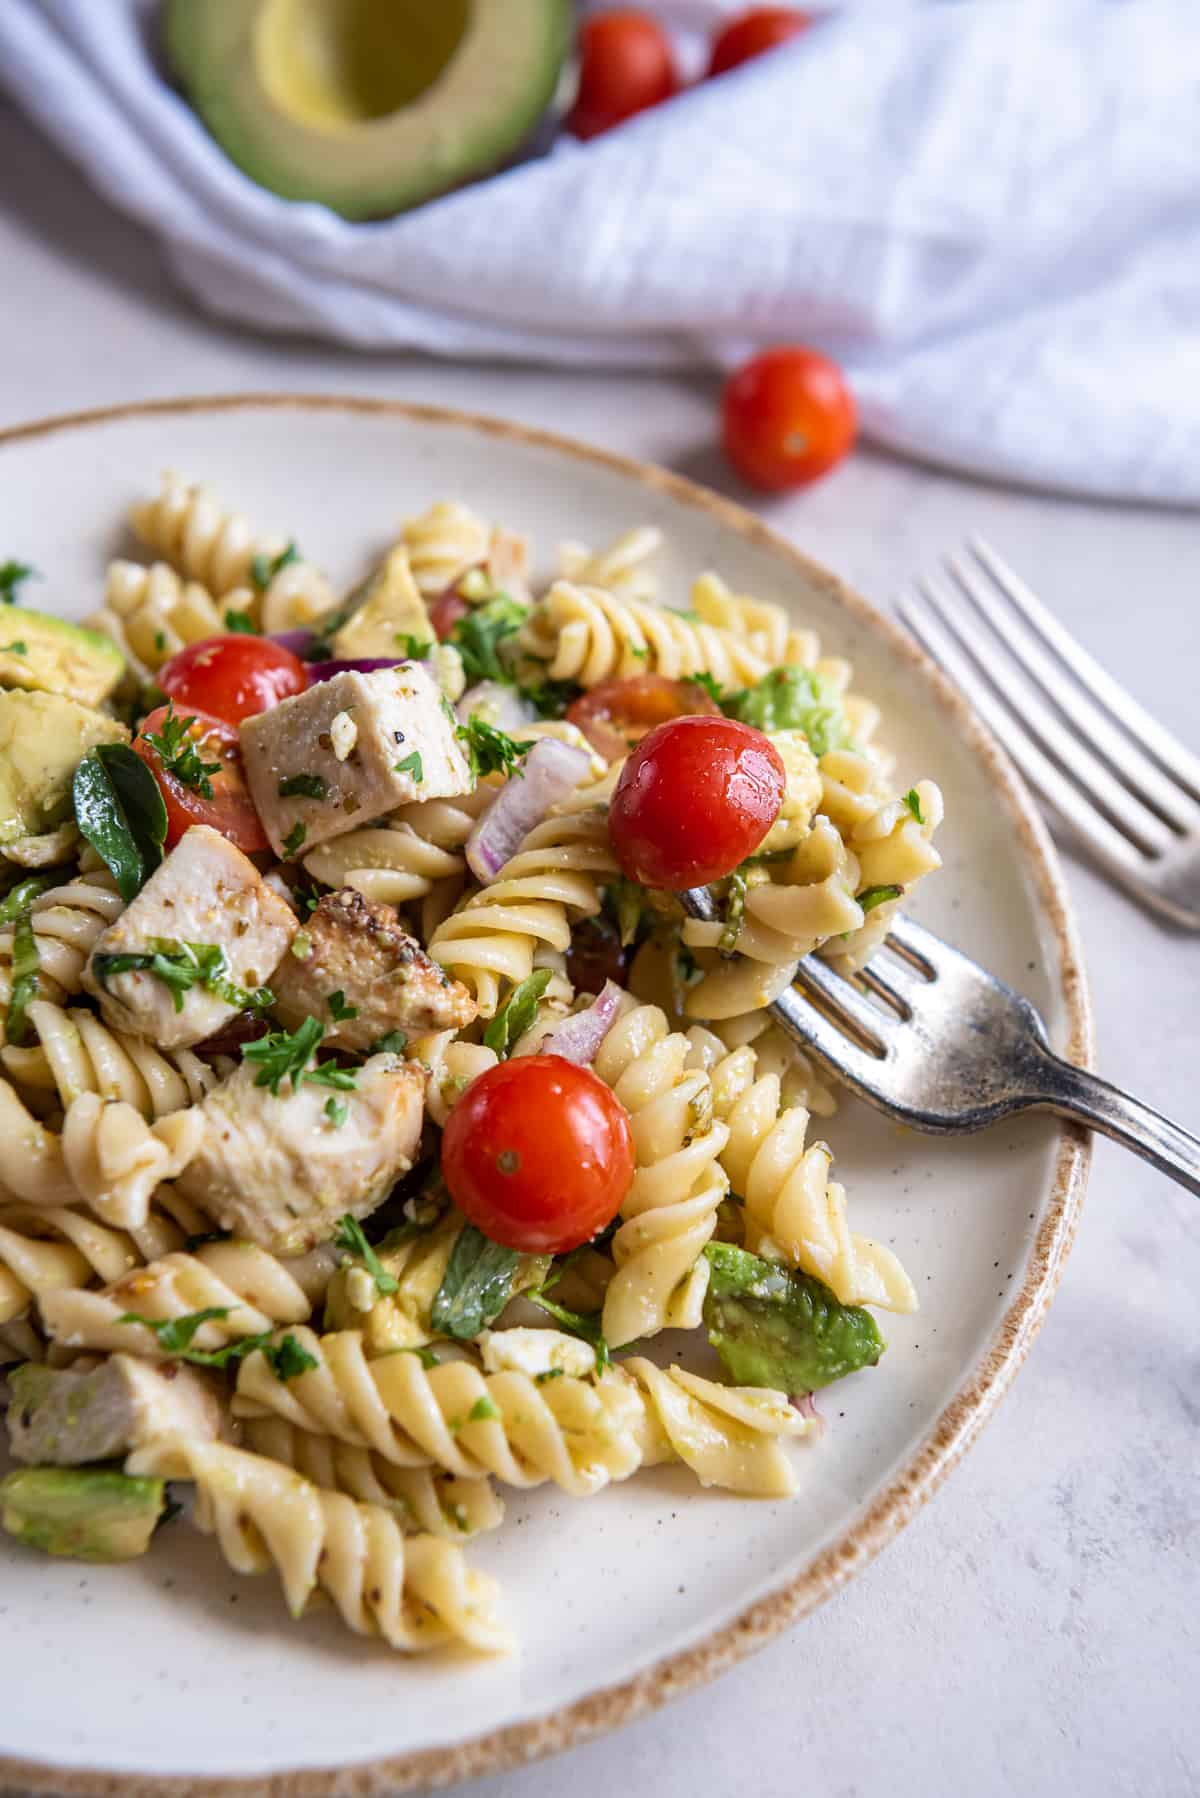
230, 809
786, 418
446, 611
538, 1154
232, 677
762, 28
618, 713
625, 65
693, 801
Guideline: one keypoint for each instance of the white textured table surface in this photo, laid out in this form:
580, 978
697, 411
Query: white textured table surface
1035, 1630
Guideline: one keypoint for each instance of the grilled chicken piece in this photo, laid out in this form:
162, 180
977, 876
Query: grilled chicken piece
205, 892
281, 1169
348, 750
64, 1417
358, 948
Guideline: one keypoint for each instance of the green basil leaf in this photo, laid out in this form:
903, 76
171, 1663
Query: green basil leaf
120, 812
476, 1286
513, 1020
24, 979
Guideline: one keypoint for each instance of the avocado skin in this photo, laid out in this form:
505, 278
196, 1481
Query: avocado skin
776, 1326
58, 657
83, 1513
43, 737
383, 165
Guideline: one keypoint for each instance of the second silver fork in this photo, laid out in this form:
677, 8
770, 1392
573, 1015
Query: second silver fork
1108, 771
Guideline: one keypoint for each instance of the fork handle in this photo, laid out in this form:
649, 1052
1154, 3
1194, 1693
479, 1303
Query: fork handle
1156, 1139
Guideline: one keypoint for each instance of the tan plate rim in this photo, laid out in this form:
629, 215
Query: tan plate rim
960, 1421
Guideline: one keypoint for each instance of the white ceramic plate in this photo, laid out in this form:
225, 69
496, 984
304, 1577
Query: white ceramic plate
171, 1675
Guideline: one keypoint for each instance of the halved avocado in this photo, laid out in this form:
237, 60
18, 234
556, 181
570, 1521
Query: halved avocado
45, 654
369, 106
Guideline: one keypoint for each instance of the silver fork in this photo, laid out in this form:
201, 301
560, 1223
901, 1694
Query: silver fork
927, 1036
1109, 771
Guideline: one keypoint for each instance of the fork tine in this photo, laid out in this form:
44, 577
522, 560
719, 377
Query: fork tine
850, 1007
1178, 762
1094, 829
1123, 810
820, 1037
890, 991
1020, 637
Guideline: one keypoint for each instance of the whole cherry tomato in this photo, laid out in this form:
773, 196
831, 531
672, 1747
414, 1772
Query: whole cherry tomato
195, 791
446, 611
750, 33
786, 418
618, 713
538, 1154
626, 65
696, 797
233, 677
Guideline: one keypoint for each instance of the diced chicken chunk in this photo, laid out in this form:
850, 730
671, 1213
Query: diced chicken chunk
282, 1168
205, 892
63, 1417
404, 748
353, 946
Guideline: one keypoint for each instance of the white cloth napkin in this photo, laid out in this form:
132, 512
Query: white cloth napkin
988, 213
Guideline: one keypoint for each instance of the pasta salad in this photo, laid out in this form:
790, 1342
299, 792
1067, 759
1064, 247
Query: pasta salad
368, 1103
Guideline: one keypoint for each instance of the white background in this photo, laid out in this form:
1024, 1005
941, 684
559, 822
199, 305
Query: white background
1035, 1630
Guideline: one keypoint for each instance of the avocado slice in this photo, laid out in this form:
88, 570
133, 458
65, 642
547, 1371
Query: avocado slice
51, 655
775, 1326
43, 737
369, 106
84, 1513
794, 699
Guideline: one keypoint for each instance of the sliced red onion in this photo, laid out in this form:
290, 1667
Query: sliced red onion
319, 671
297, 641
549, 772
578, 1037
806, 1404
502, 707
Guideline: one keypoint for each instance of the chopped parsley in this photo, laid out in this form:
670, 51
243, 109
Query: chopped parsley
350, 1238
870, 897
413, 649
13, 575
912, 800
513, 1019
295, 840
305, 786
337, 1111
240, 623
490, 751
479, 633
550, 698
175, 1337
392, 1042
288, 1358
339, 1011
25, 963
735, 911
484, 1410
710, 684
178, 751
284, 1055
14, 649
306, 899
411, 764
585, 1325
264, 567
550, 1373
181, 966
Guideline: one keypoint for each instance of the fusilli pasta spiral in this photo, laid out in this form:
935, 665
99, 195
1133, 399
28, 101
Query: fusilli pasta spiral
43, 1251
254, 1289
669, 1212
116, 1159
66, 921
415, 1592
442, 543
152, 613
622, 567
419, 1497
188, 526
78, 1053
588, 634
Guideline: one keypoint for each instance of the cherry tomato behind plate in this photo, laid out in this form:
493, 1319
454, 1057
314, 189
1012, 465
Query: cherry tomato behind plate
750, 33
696, 797
626, 65
786, 418
619, 713
232, 677
538, 1154
218, 797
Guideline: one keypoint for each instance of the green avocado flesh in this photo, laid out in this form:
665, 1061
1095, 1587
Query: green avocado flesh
84, 1513
794, 699
368, 106
43, 738
51, 655
775, 1326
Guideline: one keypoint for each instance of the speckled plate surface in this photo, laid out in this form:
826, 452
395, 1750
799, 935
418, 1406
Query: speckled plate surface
173, 1676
